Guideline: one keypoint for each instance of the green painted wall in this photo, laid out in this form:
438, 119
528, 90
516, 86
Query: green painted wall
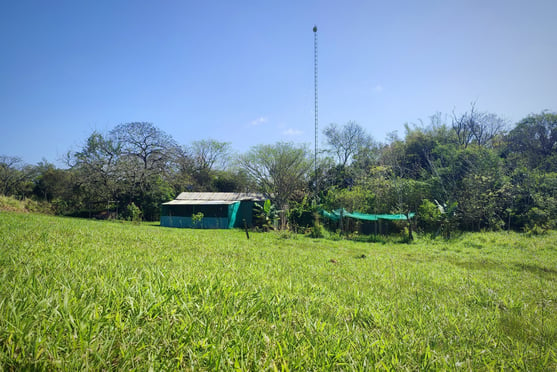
214, 216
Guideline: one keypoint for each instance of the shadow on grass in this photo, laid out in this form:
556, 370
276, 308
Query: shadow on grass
483, 264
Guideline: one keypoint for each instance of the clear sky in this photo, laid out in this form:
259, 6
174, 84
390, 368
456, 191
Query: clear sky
242, 71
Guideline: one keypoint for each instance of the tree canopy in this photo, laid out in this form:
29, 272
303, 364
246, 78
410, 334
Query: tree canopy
280, 170
468, 171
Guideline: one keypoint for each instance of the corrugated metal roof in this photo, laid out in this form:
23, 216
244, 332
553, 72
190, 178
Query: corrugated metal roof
220, 196
200, 202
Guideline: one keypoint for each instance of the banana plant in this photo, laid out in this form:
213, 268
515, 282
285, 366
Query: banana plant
267, 215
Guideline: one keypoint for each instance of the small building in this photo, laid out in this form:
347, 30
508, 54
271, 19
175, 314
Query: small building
210, 210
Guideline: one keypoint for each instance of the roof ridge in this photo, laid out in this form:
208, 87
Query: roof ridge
224, 196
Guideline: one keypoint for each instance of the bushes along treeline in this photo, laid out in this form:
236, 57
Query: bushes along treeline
467, 172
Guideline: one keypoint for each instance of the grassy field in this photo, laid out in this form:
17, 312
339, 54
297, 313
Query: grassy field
78, 294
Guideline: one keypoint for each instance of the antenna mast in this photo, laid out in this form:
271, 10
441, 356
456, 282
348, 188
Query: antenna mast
316, 110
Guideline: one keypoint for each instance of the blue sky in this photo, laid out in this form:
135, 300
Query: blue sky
242, 71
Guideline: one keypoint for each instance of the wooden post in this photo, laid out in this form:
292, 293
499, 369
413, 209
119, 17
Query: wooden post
341, 224
246, 228
410, 236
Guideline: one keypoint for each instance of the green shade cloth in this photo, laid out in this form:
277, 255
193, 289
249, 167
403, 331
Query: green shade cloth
337, 214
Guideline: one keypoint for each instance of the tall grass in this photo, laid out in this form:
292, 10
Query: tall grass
9, 203
77, 294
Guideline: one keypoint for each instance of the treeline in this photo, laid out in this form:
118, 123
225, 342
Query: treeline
470, 171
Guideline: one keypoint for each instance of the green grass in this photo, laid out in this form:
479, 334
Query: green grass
9, 203
78, 294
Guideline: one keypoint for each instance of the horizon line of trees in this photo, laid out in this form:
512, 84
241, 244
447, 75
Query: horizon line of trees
469, 171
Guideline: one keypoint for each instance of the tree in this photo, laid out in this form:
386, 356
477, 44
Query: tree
182, 170
533, 195
15, 176
230, 181
204, 166
479, 128
145, 146
417, 147
357, 199
143, 164
96, 168
55, 186
132, 163
533, 142
203, 162
346, 141
210, 154
279, 170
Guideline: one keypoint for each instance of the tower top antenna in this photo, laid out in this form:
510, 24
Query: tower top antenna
314, 28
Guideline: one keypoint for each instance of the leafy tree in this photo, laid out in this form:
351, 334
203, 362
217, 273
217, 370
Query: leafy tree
133, 213
401, 175
145, 149
366, 158
15, 176
55, 186
429, 216
230, 181
448, 214
345, 142
132, 164
302, 214
143, 164
380, 182
416, 151
96, 168
533, 142
279, 170
205, 166
210, 154
541, 199
144, 142
328, 175
157, 191
478, 203
182, 171
358, 198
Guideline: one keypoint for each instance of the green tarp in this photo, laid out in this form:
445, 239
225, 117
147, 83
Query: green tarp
232, 213
337, 214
